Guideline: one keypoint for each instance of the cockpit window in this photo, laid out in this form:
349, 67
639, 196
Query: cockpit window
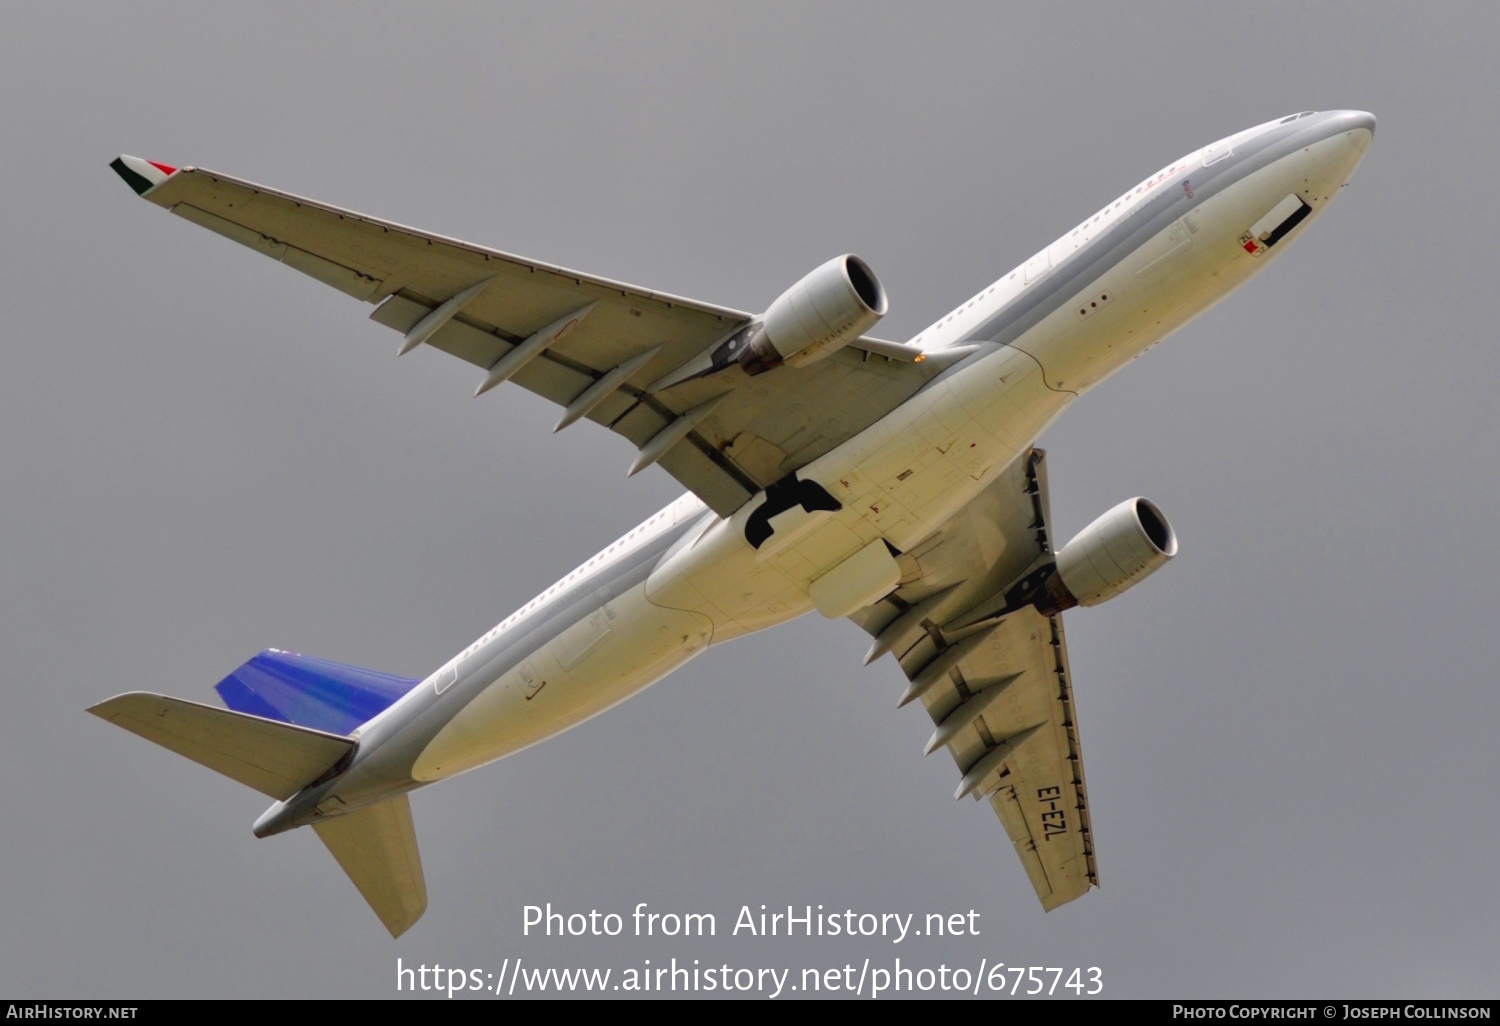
1294, 117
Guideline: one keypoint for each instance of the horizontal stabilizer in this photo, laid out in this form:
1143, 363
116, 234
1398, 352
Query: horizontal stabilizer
316, 693
276, 759
377, 847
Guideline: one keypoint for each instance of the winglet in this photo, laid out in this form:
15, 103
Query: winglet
141, 175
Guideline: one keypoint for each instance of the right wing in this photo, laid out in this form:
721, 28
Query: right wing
998, 689
725, 436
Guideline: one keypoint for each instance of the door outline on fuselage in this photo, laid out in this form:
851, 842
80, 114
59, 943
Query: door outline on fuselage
529, 681
1215, 152
1037, 266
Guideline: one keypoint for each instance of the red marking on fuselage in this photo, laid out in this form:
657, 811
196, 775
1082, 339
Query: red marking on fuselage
165, 168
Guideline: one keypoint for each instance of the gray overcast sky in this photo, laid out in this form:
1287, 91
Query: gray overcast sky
1288, 732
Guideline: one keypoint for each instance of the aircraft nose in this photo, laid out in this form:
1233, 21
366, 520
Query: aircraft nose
1359, 126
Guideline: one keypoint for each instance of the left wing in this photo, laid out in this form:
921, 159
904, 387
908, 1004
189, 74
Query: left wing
591, 345
997, 685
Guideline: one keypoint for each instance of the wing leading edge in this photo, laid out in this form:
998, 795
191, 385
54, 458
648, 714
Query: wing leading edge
999, 693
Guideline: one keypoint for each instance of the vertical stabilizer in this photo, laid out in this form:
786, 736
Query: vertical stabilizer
377, 847
316, 693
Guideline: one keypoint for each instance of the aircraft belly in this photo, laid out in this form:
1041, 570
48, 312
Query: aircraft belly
1134, 304
603, 659
898, 480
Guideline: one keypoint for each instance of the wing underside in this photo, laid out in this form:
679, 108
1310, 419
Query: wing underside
725, 436
999, 692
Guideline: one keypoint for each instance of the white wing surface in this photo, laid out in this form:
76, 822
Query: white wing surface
998, 690
591, 345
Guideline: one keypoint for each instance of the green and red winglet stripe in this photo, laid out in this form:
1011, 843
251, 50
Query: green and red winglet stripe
141, 175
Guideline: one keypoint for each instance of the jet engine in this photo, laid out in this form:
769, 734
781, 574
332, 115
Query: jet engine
829, 308
1117, 551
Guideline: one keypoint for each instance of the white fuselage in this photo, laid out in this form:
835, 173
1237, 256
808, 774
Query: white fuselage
1070, 316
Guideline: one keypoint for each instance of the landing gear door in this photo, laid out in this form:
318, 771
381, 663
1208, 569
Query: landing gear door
1274, 225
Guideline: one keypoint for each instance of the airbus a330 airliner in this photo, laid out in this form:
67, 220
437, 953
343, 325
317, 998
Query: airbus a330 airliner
892, 483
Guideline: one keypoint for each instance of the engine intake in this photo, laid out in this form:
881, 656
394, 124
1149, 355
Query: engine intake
829, 308
1114, 553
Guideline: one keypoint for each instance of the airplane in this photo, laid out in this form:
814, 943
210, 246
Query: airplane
894, 484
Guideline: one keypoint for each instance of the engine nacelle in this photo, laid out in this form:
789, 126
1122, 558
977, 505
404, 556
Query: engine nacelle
826, 310
1115, 552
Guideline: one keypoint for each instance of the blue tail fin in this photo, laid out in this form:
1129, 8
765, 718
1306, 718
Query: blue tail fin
310, 692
